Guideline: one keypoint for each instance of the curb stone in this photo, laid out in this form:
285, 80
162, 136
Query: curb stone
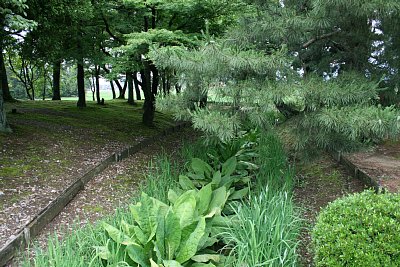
35, 225
355, 171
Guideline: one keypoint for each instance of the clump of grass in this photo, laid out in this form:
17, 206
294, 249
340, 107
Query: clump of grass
264, 231
274, 170
163, 176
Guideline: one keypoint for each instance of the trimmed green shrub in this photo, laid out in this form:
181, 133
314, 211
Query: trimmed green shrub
359, 230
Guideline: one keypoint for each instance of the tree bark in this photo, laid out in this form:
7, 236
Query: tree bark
129, 79
149, 100
122, 89
97, 87
81, 85
4, 80
56, 80
113, 89
3, 120
137, 88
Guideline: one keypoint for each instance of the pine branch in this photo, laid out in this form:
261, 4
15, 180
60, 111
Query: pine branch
320, 37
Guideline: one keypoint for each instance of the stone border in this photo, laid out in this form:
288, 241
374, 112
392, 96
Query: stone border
33, 228
355, 171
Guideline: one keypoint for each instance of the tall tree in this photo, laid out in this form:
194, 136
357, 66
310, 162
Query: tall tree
303, 59
169, 23
11, 23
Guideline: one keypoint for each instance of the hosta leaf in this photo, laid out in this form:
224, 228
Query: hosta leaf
194, 176
216, 178
226, 181
159, 243
229, 166
186, 183
184, 207
201, 167
189, 248
171, 263
206, 258
172, 234
239, 194
140, 235
172, 196
203, 199
137, 254
103, 252
249, 165
115, 234
200, 264
154, 264
218, 199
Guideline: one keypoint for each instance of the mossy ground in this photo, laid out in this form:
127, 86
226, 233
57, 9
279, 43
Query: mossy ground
53, 141
319, 181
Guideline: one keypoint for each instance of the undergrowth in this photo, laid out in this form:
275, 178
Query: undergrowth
259, 227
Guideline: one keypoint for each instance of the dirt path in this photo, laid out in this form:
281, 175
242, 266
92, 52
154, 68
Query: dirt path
111, 189
318, 183
382, 163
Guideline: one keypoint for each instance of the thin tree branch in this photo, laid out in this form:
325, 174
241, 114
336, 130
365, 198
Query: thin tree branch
317, 38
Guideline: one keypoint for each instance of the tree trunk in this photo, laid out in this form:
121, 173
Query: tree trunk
129, 80
81, 85
97, 87
44, 84
149, 100
56, 80
112, 89
137, 89
3, 121
120, 89
4, 81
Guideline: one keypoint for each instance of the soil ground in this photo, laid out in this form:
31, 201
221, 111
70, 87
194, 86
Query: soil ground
382, 163
53, 143
110, 190
319, 182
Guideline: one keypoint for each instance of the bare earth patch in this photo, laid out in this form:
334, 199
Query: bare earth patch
381, 163
319, 182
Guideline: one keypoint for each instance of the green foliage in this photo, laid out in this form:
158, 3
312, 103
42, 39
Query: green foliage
167, 235
359, 230
264, 231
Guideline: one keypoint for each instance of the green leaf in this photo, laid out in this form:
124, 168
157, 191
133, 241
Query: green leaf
103, 252
206, 258
137, 254
115, 234
186, 183
239, 194
172, 196
201, 167
203, 199
200, 264
218, 199
189, 248
229, 166
171, 263
172, 234
154, 264
185, 207
216, 178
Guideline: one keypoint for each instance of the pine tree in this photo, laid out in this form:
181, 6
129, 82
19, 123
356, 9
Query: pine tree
301, 59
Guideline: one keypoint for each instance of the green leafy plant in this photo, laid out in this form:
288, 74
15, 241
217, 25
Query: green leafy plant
163, 235
359, 230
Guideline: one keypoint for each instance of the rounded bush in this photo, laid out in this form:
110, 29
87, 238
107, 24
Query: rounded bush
359, 230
